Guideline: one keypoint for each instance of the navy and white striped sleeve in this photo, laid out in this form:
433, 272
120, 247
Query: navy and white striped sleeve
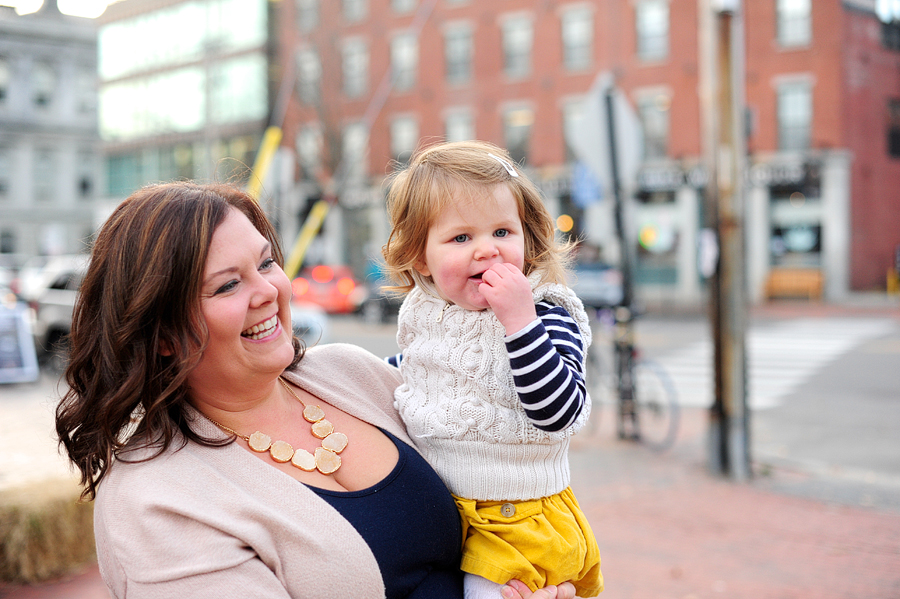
394, 360
547, 360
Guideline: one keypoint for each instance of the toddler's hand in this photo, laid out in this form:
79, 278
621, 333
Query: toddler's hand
516, 589
508, 292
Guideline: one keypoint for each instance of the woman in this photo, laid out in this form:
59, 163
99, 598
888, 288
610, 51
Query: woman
187, 396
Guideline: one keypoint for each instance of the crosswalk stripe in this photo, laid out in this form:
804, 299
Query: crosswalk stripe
780, 358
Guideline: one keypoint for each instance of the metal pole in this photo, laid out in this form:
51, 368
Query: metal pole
628, 425
729, 421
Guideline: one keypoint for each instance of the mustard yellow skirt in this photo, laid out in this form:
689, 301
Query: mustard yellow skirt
540, 542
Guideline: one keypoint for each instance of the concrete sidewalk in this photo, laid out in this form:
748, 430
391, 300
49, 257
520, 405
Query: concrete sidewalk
669, 529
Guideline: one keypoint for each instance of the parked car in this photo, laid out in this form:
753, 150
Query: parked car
333, 287
598, 285
51, 291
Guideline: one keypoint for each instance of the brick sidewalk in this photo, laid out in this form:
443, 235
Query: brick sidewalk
668, 529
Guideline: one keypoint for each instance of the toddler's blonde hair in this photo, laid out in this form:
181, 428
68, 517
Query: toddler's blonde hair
448, 172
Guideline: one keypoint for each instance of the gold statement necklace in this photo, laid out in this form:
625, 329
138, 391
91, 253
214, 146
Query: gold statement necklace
325, 459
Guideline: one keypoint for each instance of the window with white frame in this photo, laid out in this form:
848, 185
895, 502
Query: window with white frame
309, 150
86, 186
86, 90
354, 10
577, 38
794, 115
653, 112
459, 126
404, 137
355, 68
518, 38
404, 61
794, 18
307, 14
309, 75
7, 241
43, 84
458, 53
5, 80
43, 172
572, 112
517, 123
354, 147
5, 173
652, 23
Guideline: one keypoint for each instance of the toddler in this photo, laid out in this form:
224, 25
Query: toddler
492, 357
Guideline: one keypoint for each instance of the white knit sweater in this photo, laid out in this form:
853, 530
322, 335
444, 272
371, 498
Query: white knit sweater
459, 403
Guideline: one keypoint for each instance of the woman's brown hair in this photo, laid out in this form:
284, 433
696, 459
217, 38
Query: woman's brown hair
448, 172
137, 330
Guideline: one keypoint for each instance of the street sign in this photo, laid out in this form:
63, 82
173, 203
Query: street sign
588, 135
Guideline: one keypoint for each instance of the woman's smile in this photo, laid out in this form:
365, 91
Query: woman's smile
262, 330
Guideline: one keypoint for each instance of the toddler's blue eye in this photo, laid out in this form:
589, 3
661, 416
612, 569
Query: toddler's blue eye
460, 238
501, 233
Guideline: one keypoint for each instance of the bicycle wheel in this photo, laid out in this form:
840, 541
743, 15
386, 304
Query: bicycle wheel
656, 403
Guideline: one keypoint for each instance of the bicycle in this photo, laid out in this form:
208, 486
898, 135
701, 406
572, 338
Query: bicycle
648, 409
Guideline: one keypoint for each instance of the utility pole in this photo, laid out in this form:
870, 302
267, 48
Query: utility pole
722, 98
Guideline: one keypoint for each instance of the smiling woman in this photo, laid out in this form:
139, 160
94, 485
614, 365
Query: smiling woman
209, 437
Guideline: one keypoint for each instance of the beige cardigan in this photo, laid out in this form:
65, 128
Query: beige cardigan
218, 522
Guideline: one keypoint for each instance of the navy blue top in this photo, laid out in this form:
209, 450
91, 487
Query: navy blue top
411, 524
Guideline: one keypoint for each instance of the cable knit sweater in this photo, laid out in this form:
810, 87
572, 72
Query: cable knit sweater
460, 403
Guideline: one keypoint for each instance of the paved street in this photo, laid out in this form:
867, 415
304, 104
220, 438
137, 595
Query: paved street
820, 518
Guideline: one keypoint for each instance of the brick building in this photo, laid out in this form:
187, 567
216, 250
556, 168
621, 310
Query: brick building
822, 84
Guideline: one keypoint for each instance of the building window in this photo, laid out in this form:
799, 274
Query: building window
309, 150
894, 128
652, 22
354, 145
458, 54
794, 116
572, 112
7, 242
518, 37
577, 38
653, 111
890, 35
5, 174
403, 6
43, 80
459, 126
309, 75
43, 175
86, 91
354, 10
517, 124
5, 80
85, 181
794, 22
404, 61
404, 138
355, 68
307, 14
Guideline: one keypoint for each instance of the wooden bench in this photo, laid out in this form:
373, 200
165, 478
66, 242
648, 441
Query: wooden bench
795, 282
